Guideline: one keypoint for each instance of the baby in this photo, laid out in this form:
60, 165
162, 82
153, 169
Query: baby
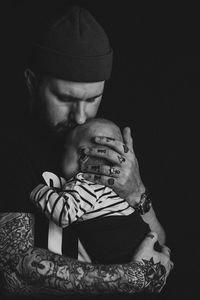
109, 229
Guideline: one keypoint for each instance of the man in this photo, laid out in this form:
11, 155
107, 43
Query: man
66, 78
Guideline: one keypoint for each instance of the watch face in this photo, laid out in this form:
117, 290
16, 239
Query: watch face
144, 205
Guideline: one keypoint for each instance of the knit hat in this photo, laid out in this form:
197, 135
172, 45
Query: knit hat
75, 48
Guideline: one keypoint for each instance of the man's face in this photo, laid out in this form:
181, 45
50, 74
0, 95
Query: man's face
64, 104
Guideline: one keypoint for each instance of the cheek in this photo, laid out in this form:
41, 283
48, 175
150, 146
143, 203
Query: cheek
92, 109
57, 112
53, 110
70, 165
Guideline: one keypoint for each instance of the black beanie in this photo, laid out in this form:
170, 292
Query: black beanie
75, 48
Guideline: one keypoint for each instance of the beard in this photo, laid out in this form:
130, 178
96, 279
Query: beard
63, 127
43, 123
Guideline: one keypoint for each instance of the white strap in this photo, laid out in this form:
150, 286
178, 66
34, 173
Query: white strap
55, 238
55, 232
82, 254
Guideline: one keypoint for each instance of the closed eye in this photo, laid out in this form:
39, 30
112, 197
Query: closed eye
91, 100
68, 98
63, 98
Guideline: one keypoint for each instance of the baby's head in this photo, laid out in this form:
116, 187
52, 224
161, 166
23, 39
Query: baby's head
81, 137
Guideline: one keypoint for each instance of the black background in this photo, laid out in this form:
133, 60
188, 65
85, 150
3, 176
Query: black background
154, 89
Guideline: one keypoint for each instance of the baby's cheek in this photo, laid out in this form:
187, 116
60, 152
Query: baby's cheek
70, 168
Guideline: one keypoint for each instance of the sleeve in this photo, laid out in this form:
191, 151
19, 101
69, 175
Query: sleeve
65, 206
54, 180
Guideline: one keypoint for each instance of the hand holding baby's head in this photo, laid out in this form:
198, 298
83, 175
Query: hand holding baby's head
82, 137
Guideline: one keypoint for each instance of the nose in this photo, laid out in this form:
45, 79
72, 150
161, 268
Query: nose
80, 112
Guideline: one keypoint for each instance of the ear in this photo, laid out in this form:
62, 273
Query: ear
31, 80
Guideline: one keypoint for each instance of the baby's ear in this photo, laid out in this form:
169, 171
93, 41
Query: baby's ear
53, 180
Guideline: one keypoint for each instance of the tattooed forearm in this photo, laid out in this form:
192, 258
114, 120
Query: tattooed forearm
29, 270
16, 236
71, 276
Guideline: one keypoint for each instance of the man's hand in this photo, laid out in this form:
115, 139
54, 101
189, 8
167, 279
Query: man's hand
123, 176
157, 265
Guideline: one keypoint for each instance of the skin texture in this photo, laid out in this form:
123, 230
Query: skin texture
120, 154
27, 270
60, 105
151, 219
83, 137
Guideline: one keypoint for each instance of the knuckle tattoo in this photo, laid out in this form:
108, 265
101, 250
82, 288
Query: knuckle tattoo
121, 159
95, 168
109, 139
125, 148
102, 151
97, 177
111, 181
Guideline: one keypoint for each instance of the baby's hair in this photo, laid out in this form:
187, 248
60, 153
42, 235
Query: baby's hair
115, 130
87, 129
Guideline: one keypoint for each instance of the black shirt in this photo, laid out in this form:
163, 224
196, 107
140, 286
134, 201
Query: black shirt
24, 155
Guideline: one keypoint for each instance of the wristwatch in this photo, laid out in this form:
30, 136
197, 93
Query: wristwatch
145, 203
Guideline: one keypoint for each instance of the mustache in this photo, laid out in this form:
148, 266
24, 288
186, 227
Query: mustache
65, 126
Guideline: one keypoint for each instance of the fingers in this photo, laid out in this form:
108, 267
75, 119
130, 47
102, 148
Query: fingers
102, 170
166, 250
118, 146
100, 179
127, 137
171, 265
153, 236
150, 240
109, 154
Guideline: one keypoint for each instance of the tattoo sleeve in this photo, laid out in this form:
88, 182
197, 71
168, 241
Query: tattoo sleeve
27, 270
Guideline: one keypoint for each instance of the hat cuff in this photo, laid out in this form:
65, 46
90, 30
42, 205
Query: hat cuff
72, 68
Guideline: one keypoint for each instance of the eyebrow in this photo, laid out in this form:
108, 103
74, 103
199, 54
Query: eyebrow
62, 95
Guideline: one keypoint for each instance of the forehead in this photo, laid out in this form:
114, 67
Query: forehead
75, 89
